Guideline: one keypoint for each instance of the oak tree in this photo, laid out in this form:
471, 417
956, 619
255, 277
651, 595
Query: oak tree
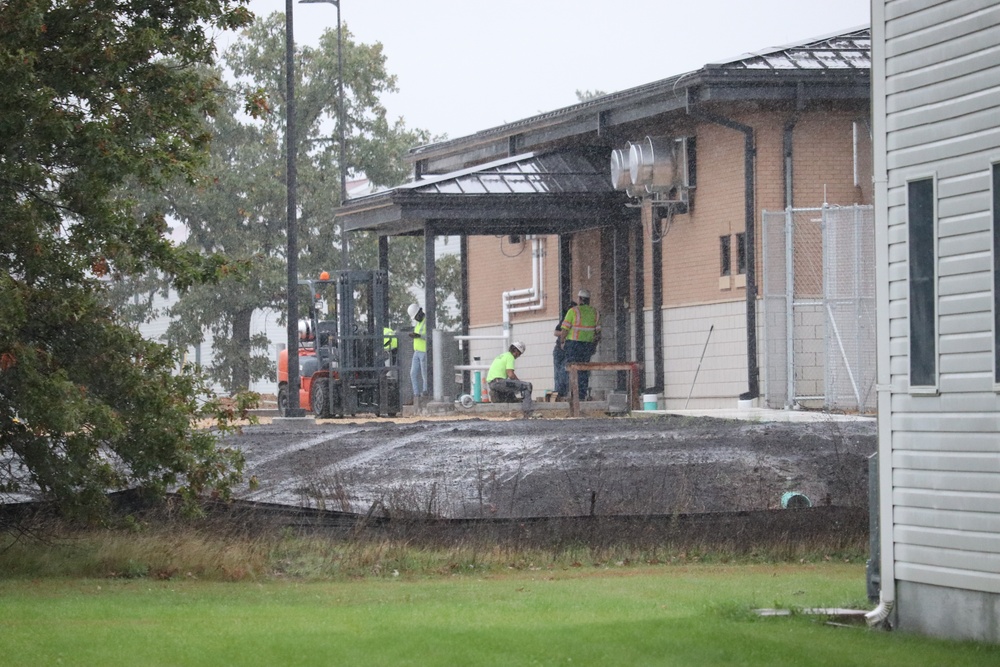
99, 94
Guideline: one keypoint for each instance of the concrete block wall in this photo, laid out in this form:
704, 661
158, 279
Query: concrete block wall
809, 350
723, 373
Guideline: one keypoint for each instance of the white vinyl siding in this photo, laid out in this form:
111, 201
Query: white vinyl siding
942, 105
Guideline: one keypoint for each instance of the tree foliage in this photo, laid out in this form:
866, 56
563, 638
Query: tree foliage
99, 94
238, 206
587, 95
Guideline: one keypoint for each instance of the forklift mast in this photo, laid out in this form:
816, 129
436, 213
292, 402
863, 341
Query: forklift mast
345, 364
363, 310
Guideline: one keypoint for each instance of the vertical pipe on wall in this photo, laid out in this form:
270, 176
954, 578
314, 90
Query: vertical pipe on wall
750, 229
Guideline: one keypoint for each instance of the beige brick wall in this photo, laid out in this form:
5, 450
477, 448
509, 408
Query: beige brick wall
694, 295
497, 266
823, 170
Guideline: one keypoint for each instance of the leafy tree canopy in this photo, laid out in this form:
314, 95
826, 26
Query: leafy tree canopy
238, 205
99, 94
586, 95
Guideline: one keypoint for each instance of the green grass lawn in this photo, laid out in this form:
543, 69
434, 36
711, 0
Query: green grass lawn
653, 615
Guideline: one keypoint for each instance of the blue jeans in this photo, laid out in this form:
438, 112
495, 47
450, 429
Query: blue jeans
559, 367
579, 351
418, 373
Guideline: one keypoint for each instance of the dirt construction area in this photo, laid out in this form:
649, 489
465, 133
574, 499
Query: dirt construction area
470, 467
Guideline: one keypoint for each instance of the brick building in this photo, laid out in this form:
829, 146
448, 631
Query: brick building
669, 266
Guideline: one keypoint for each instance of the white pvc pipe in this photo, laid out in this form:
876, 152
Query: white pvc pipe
526, 299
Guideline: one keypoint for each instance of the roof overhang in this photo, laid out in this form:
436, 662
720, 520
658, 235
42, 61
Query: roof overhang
551, 193
829, 69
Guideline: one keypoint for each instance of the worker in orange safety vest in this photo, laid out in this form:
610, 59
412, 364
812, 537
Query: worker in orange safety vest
581, 331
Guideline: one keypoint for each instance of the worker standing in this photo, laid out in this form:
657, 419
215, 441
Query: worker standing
391, 344
503, 382
559, 361
418, 366
581, 329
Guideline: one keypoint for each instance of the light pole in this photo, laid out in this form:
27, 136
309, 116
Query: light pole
340, 128
292, 250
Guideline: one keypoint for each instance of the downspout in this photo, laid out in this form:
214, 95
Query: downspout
786, 151
753, 372
880, 616
788, 164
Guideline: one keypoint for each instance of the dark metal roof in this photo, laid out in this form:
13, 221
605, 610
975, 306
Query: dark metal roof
541, 190
847, 54
553, 192
552, 172
844, 51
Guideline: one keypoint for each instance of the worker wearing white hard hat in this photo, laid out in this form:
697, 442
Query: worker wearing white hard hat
581, 329
503, 383
418, 365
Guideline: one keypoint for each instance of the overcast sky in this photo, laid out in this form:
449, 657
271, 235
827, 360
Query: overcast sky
468, 65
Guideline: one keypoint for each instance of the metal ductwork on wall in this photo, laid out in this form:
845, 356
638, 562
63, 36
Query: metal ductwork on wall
656, 168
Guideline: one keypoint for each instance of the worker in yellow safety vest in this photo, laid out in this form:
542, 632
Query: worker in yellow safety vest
418, 366
390, 343
581, 331
503, 382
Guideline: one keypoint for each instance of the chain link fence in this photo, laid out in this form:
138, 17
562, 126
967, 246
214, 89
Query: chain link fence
819, 308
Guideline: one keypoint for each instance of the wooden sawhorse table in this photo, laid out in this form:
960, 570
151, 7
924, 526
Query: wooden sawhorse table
634, 369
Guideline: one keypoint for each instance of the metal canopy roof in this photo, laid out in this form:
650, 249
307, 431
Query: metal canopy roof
846, 51
831, 67
559, 192
545, 193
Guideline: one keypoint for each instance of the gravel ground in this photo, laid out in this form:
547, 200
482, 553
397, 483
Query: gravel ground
473, 467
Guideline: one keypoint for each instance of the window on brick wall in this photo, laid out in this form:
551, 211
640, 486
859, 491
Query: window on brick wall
725, 255
741, 253
921, 242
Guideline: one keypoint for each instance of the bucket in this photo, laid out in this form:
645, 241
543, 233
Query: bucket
650, 402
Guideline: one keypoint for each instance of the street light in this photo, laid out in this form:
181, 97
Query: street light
340, 126
292, 250
293, 409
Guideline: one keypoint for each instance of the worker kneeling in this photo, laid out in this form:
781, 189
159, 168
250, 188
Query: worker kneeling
503, 382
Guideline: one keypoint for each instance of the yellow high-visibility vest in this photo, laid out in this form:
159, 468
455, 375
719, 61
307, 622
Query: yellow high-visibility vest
390, 342
420, 344
582, 322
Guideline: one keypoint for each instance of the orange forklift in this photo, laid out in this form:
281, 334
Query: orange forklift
345, 361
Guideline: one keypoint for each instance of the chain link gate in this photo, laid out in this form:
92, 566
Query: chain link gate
819, 308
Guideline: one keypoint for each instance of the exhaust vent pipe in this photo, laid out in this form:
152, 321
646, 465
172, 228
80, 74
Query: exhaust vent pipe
653, 163
621, 178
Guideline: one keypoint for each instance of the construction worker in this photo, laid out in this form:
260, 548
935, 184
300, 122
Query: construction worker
390, 343
559, 361
418, 366
581, 329
503, 382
